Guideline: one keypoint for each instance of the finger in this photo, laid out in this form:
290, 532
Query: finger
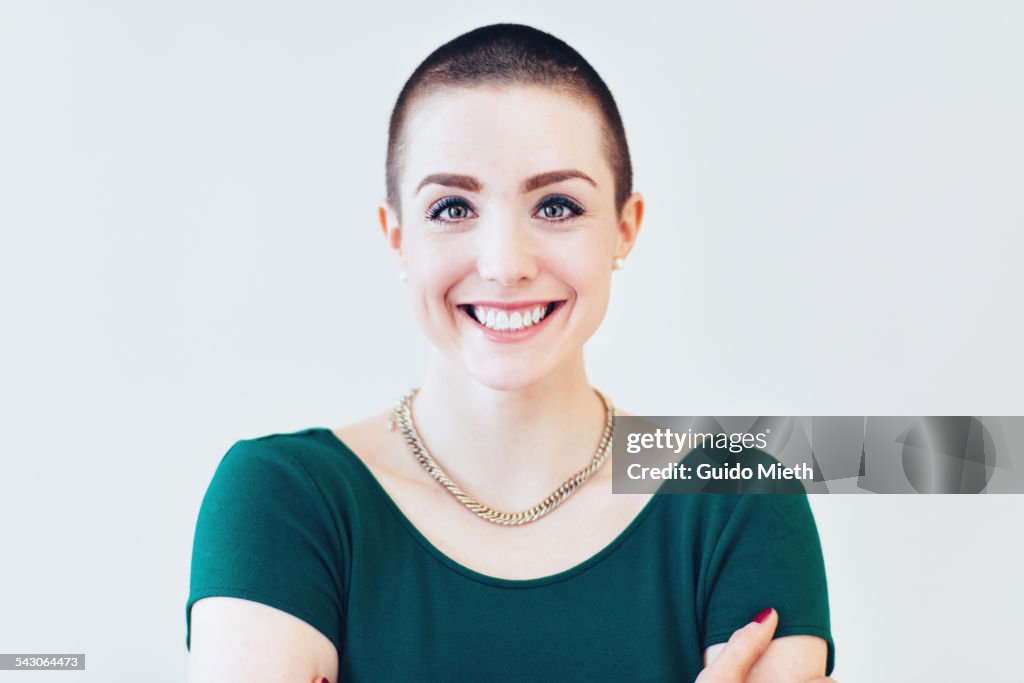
744, 647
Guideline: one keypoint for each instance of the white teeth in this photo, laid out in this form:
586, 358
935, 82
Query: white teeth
504, 320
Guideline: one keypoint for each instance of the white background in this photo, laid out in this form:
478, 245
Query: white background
190, 256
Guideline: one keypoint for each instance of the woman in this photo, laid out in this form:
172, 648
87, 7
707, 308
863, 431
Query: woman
411, 546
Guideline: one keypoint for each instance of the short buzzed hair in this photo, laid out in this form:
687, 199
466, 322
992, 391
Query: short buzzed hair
511, 54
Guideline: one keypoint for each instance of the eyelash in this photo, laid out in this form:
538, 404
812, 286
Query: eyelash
575, 210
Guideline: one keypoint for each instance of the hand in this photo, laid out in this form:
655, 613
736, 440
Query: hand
744, 648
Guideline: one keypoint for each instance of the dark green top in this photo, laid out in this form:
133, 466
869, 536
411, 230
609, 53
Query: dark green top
298, 522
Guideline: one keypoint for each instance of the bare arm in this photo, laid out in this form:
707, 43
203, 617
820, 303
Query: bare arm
242, 640
788, 658
752, 656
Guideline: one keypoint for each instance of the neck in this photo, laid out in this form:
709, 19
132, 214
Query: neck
509, 449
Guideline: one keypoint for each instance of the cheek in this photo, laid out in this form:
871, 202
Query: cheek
593, 282
586, 272
434, 271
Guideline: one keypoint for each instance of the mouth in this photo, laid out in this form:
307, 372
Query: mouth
510, 320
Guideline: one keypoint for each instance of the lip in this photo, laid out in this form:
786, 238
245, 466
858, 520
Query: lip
507, 337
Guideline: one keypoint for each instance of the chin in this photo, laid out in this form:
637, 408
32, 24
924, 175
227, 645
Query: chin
506, 379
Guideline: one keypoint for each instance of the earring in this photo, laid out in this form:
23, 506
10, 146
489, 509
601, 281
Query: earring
619, 264
402, 276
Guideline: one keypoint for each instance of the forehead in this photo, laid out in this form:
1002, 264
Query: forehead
506, 133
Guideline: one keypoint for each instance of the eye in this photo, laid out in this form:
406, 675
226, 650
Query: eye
449, 210
558, 209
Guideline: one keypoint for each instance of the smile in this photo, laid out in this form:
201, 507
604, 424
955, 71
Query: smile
510, 319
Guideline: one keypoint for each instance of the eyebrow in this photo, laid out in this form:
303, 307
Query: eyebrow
471, 184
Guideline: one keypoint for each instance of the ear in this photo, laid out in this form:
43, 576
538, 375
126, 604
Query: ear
389, 226
629, 224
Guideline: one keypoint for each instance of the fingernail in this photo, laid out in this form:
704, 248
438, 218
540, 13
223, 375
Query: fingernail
762, 615
324, 680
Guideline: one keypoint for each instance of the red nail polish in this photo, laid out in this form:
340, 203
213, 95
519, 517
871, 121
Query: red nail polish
324, 680
762, 615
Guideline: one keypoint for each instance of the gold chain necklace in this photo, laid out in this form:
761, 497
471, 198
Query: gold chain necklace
402, 416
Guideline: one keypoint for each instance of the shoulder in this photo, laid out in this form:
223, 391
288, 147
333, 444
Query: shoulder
312, 463
261, 469
273, 495
311, 449
292, 446
715, 508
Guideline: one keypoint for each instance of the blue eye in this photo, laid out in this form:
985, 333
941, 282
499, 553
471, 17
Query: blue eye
553, 209
456, 207
558, 209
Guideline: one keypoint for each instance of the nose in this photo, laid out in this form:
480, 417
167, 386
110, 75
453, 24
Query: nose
505, 253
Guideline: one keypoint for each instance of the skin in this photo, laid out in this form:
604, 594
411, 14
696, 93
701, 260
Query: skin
504, 248
752, 655
530, 401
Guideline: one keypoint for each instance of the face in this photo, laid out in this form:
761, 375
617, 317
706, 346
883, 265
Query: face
509, 229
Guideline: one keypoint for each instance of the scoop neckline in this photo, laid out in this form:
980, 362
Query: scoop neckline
473, 574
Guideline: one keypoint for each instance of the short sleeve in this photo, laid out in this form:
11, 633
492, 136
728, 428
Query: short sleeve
264, 534
767, 555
